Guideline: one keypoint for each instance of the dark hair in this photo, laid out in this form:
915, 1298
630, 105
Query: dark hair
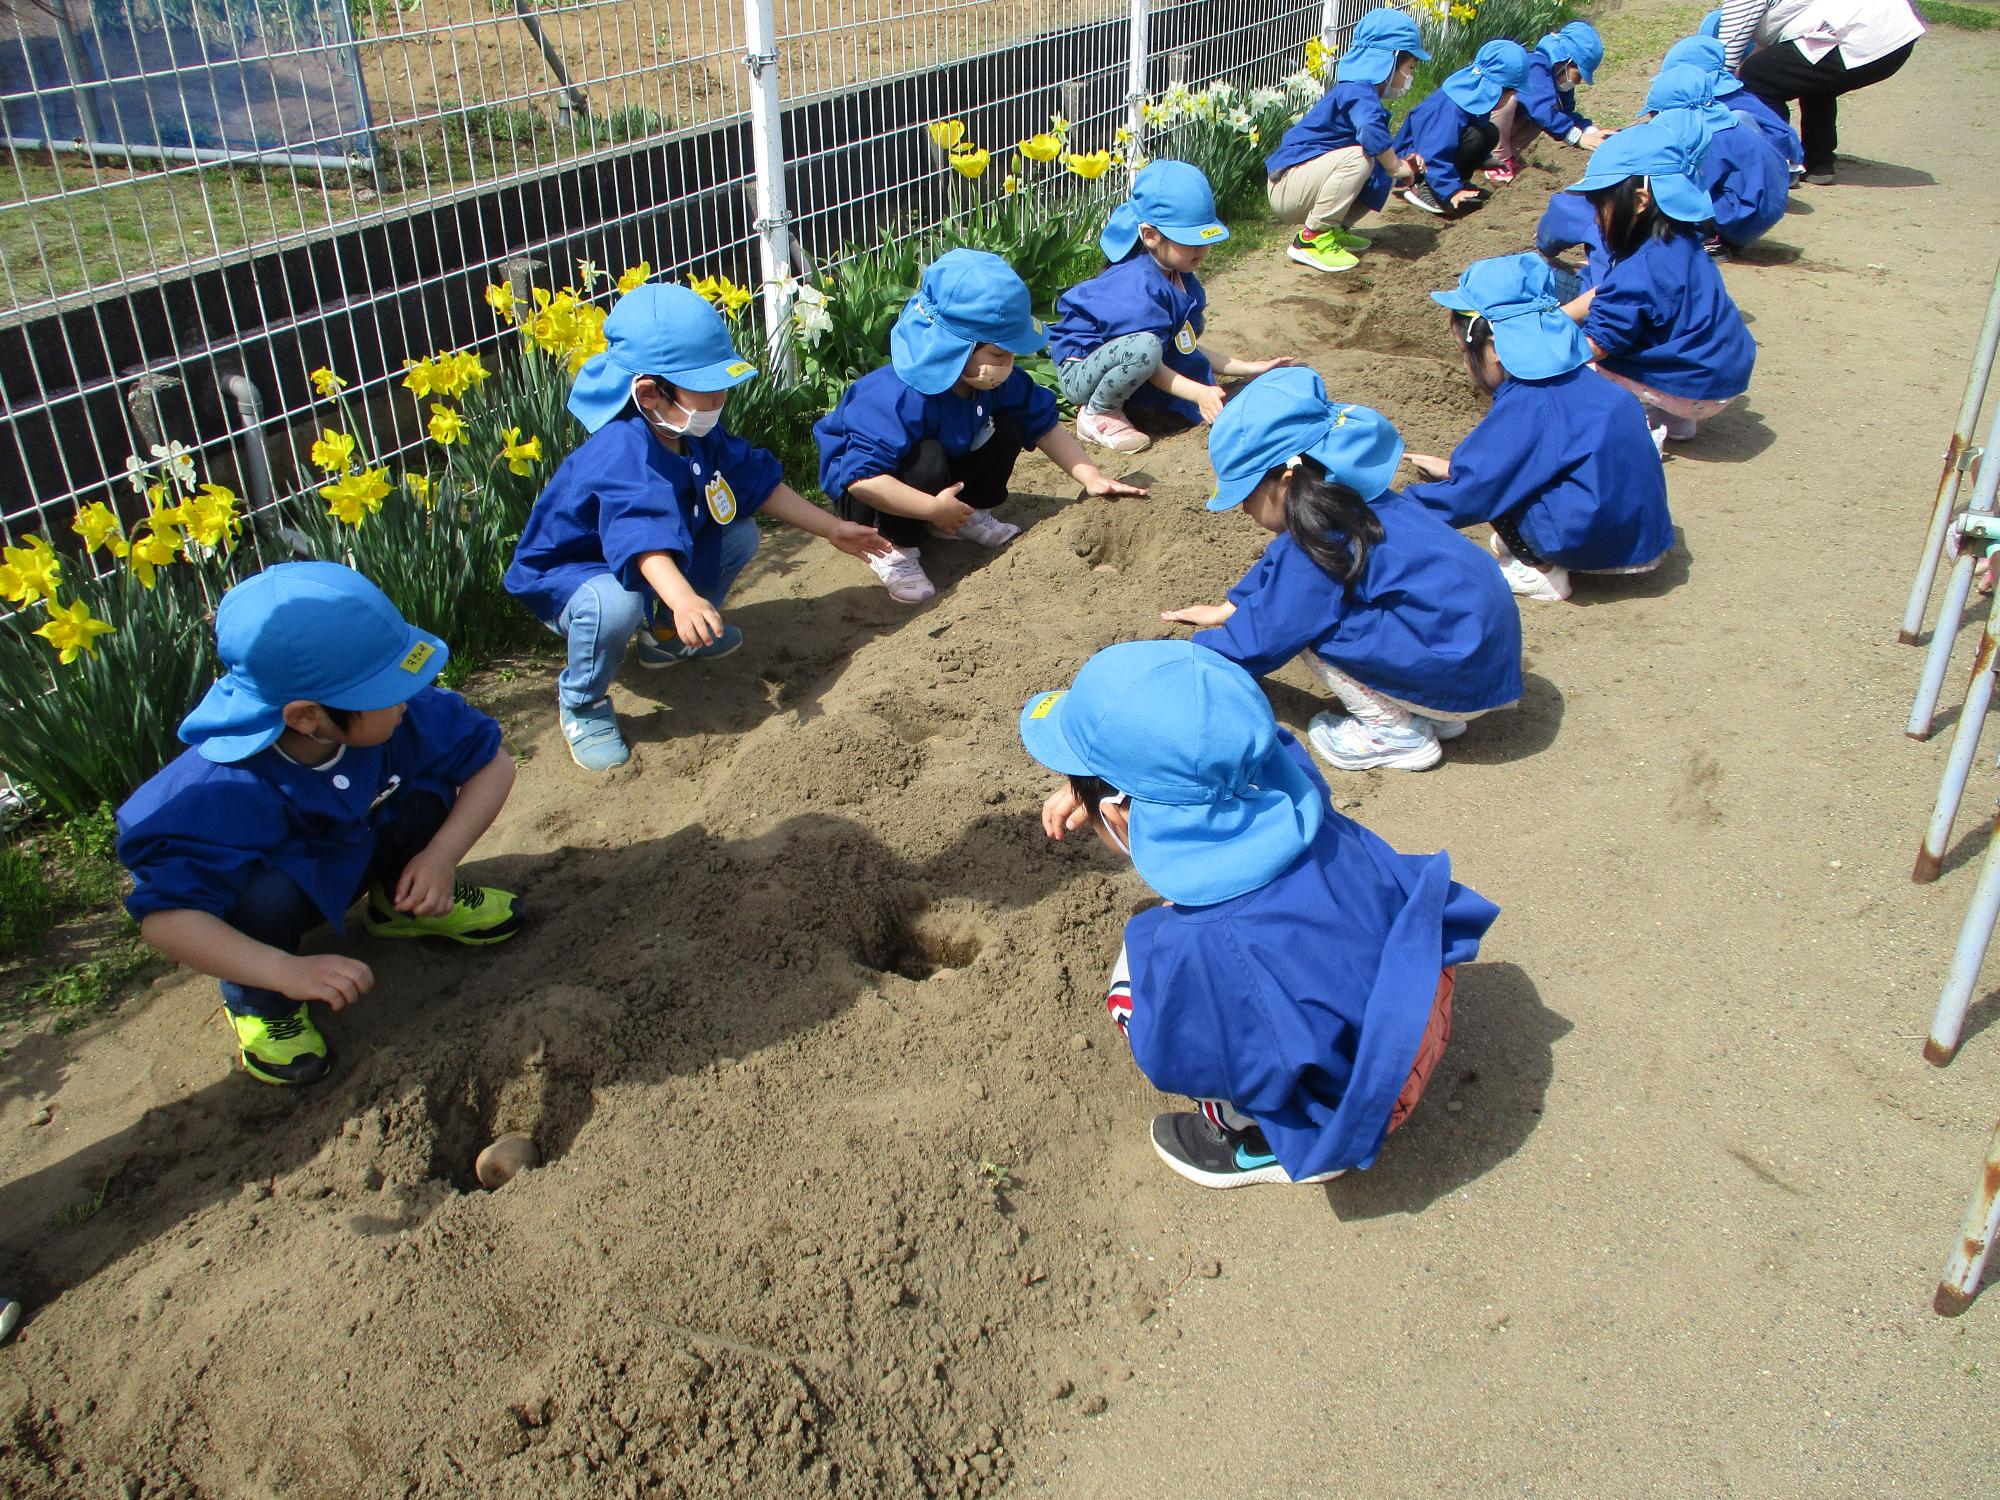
1090, 791
1472, 330
1631, 226
341, 717
1330, 521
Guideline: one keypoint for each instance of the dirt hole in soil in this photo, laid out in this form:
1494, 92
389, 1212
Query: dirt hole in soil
918, 944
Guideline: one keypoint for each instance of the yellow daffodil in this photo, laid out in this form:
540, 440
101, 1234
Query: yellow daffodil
326, 382
1122, 136
333, 451
355, 496
420, 377
1462, 13
420, 485
635, 277
98, 525
1089, 165
1043, 147
29, 573
521, 457
970, 163
1059, 126
704, 287
71, 629
1316, 56
947, 134
500, 297
1010, 184
459, 373
728, 297
447, 427
211, 516
152, 551
162, 517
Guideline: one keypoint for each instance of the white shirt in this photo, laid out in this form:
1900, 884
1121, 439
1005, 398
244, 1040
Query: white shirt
1863, 30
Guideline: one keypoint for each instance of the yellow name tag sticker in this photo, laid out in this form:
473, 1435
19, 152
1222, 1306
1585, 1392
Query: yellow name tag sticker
1049, 701
1184, 340
1212, 231
721, 500
420, 653
741, 367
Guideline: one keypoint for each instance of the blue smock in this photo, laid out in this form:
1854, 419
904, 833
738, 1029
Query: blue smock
1349, 114
1430, 621
1775, 127
622, 495
1432, 131
1663, 318
882, 417
1138, 295
1302, 1003
1551, 108
1748, 180
1568, 221
1569, 462
195, 835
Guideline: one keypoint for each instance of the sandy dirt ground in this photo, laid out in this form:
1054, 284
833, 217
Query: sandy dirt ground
847, 1186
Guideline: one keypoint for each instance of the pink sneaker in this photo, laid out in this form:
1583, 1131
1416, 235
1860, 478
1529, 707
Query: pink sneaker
902, 574
1109, 429
1505, 172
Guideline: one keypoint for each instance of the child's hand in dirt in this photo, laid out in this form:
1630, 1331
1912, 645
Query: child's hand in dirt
857, 540
334, 979
1063, 813
1464, 196
425, 887
1429, 465
1100, 484
1209, 402
949, 513
1201, 616
1256, 367
1593, 138
697, 622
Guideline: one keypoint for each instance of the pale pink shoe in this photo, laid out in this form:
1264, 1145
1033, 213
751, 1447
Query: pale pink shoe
1109, 429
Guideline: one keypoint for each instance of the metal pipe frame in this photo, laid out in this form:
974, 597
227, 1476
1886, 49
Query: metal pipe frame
1937, 658
1975, 1240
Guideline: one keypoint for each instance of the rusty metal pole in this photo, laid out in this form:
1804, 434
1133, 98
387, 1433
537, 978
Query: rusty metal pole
1974, 934
1964, 745
1958, 458
1937, 659
1975, 1239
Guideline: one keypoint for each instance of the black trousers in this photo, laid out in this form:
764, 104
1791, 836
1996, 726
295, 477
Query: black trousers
985, 472
1475, 144
1781, 73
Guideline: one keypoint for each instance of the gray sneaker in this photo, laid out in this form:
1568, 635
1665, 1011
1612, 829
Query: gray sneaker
592, 733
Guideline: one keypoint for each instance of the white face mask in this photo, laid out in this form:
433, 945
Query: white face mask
1124, 801
1399, 85
698, 423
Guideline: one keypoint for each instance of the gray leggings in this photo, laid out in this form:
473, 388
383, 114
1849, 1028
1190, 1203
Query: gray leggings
1105, 379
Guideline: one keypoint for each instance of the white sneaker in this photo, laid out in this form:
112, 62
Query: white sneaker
1447, 729
1550, 585
903, 575
1110, 429
1350, 745
983, 527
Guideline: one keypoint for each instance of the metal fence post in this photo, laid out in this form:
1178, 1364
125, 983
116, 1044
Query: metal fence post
774, 215
1975, 1239
1974, 934
1938, 657
1135, 81
1959, 457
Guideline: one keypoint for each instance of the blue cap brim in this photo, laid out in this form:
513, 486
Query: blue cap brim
1196, 236
1454, 299
1231, 491
1042, 734
1726, 84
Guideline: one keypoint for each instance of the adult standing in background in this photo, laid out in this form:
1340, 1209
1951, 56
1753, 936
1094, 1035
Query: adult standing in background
1814, 51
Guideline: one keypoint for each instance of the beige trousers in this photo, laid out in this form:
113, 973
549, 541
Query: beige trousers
1320, 192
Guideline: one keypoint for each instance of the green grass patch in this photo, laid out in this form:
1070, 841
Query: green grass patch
1964, 17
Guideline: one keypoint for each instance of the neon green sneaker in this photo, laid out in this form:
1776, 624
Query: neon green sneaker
1347, 239
1321, 253
285, 1050
479, 915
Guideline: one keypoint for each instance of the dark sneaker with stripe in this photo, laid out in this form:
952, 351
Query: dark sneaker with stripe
1419, 195
285, 1050
1219, 1158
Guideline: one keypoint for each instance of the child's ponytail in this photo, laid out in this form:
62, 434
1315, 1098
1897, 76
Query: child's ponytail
1332, 524
1631, 226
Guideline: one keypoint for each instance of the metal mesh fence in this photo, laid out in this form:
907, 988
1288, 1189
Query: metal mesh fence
204, 200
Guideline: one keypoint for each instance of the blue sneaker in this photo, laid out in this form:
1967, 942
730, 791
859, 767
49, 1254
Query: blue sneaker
592, 733
666, 651
1219, 1158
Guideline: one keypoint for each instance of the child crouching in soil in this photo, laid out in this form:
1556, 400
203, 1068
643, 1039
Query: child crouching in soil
324, 766
1130, 336
926, 446
1451, 133
1298, 983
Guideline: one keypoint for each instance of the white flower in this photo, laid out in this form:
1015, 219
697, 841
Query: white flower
1239, 120
178, 460
810, 317
1263, 99
137, 473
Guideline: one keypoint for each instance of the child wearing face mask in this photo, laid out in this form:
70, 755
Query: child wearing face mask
1336, 164
654, 512
1450, 135
324, 769
1407, 623
1661, 323
1562, 467
925, 446
1545, 104
1297, 982
1130, 336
